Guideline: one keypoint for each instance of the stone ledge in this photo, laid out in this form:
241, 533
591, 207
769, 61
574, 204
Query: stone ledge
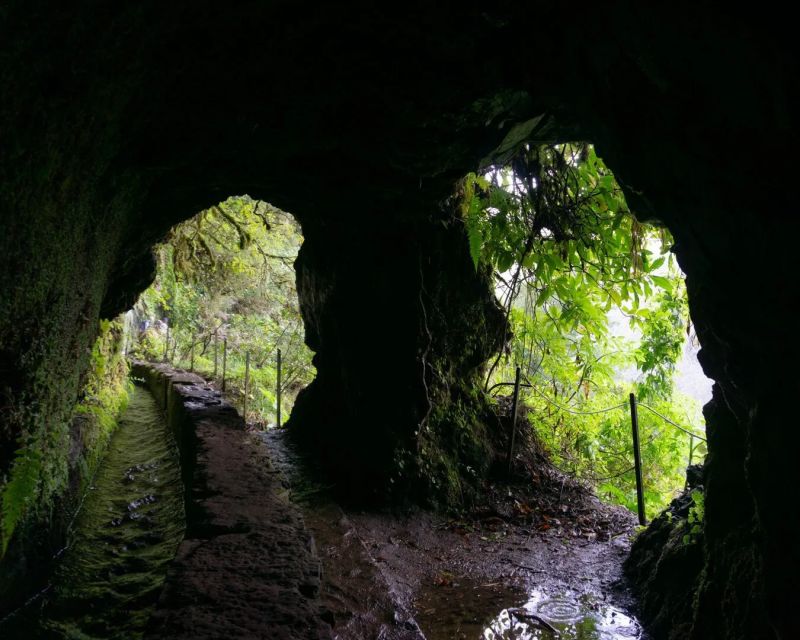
247, 567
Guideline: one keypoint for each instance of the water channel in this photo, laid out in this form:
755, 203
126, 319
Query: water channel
127, 531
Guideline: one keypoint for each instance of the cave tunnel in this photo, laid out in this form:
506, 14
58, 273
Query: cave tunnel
118, 122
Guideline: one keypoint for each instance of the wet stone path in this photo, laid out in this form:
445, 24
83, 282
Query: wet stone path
247, 567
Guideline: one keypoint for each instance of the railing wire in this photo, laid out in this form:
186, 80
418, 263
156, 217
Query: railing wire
677, 426
597, 411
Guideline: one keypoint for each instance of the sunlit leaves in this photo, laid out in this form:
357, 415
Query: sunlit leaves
566, 226
663, 325
554, 225
227, 275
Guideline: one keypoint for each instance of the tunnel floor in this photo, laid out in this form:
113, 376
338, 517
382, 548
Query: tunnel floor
422, 576
268, 554
246, 567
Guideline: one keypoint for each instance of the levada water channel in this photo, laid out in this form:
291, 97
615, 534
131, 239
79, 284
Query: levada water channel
127, 531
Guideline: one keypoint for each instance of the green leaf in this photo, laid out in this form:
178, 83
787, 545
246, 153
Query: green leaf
517, 136
475, 244
505, 260
661, 281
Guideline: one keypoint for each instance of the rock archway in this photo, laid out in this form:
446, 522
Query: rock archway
360, 121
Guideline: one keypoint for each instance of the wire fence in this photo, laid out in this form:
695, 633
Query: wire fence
544, 397
220, 360
216, 350
632, 403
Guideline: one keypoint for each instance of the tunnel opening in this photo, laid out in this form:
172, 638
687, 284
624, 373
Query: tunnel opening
571, 263
598, 316
224, 304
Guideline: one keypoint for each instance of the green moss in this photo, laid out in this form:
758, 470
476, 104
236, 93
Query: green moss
105, 396
41, 470
20, 492
454, 449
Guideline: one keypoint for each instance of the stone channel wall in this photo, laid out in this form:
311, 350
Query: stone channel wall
247, 566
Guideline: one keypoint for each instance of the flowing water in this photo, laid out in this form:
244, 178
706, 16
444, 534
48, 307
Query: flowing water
125, 535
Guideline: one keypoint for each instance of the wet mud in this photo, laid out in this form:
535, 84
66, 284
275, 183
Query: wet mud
467, 610
415, 575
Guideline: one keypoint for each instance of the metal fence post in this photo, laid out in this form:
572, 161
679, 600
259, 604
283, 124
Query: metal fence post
637, 461
279, 389
166, 342
224, 360
691, 454
216, 345
513, 433
246, 381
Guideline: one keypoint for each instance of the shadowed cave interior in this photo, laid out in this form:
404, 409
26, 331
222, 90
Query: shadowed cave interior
119, 122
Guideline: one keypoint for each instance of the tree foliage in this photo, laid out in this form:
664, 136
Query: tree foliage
567, 252
225, 282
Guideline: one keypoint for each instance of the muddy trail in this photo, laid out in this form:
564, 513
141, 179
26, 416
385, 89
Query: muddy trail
509, 569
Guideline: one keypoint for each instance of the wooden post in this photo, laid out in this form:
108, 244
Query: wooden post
512, 435
246, 381
191, 352
279, 389
216, 343
166, 342
224, 360
637, 461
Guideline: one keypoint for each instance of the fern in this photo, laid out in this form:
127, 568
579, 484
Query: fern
475, 240
472, 211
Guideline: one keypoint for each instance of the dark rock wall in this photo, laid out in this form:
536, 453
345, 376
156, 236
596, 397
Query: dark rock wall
117, 122
66, 213
401, 323
701, 137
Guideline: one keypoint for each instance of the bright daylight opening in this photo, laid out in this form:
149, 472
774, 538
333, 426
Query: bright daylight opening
224, 304
598, 311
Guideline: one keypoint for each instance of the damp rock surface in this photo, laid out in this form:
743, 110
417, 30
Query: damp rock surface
129, 525
247, 567
419, 575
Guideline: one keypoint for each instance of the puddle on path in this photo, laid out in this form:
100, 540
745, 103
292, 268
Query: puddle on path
462, 609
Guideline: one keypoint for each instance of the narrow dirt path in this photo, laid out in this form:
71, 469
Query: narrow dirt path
419, 575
